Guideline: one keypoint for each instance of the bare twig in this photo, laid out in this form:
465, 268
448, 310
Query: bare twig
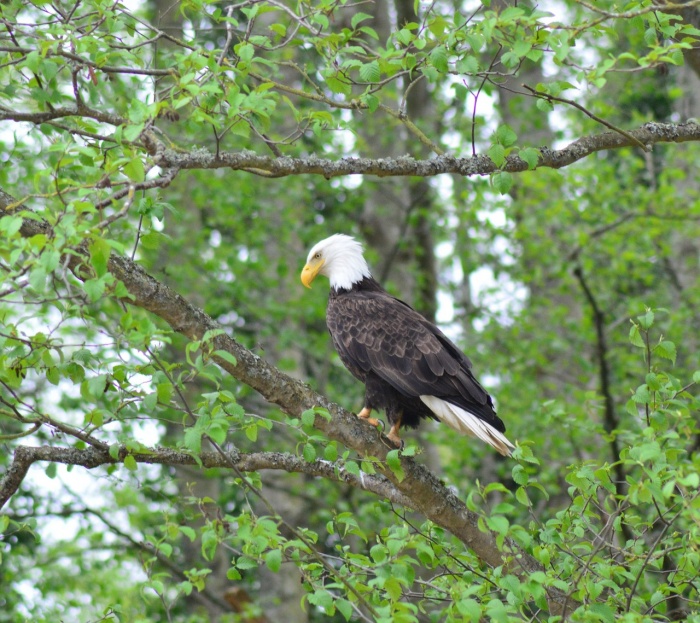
583, 109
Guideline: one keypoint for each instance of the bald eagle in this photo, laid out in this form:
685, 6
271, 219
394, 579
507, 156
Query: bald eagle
409, 367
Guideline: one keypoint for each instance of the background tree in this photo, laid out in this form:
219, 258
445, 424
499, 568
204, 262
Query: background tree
514, 174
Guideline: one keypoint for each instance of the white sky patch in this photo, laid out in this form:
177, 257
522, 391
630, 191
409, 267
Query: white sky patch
494, 216
445, 308
215, 239
503, 297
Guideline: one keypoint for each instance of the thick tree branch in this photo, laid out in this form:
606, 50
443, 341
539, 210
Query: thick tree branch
427, 494
271, 166
648, 135
26, 456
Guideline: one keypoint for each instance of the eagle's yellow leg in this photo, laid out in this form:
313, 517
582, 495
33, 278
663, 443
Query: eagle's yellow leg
393, 434
365, 415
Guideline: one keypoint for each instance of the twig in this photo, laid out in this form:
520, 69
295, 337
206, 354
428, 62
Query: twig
610, 420
607, 124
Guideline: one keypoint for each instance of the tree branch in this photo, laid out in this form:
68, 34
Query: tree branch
610, 420
583, 109
647, 135
26, 456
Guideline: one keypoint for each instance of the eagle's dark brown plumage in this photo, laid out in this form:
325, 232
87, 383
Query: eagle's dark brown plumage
409, 367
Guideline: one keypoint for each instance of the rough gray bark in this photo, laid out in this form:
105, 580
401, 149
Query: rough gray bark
172, 161
648, 135
96, 456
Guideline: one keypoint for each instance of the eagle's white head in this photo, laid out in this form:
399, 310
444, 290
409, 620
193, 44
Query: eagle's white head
339, 258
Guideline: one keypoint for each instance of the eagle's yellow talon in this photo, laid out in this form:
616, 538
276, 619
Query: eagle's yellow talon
365, 415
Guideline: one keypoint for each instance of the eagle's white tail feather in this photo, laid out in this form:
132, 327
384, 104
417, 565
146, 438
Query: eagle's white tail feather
465, 422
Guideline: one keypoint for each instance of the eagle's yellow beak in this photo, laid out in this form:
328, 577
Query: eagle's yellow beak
310, 271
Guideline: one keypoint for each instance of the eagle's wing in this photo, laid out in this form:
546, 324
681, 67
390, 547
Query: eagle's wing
376, 332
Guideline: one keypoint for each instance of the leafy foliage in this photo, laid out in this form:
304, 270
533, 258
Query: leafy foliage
163, 487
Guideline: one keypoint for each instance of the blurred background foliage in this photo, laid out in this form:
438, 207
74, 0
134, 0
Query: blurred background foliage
547, 279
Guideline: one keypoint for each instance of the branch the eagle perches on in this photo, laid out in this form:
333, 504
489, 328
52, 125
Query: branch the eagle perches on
419, 490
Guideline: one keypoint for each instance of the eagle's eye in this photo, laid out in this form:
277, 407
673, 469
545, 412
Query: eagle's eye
317, 256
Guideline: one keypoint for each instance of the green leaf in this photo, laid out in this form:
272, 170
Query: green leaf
94, 387
647, 452
470, 608
218, 433
370, 101
370, 32
251, 432
309, 453
498, 524
345, 608
52, 375
378, 553
544, 105
244, 562
497, 153
604, 612
330, 452
642, 395
393, 461
522, 497
131, 133
193, 439
99, 255
404, 36
502, 182
635, 337
467, 65
226, 356
359, 17
273, 560
321, 598
351, 467
94, 288
438, 58
646, 320
37, 279
308, 417
370, 72
667, 350
51, 470
531, 156
336, 82
496, 611
135, 170
505, 135
130, 463
245, 52
10, 225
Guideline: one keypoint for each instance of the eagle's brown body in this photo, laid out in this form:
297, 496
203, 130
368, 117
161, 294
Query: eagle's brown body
399, 356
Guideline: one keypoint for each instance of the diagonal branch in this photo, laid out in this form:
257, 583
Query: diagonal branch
583, 109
